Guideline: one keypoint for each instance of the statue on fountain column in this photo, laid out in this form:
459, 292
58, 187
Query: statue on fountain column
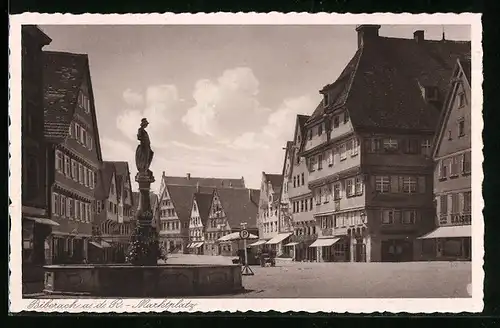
143, 154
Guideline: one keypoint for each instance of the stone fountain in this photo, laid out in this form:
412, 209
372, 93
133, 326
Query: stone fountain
142, 276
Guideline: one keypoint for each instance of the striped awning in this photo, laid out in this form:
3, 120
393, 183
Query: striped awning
449, 232
279, 238
324, 242
258, 242
292, 244
42, 220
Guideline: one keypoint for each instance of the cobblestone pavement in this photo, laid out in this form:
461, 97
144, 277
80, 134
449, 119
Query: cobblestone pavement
350, 280
346, 280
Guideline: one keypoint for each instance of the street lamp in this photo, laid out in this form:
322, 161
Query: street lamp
363, 217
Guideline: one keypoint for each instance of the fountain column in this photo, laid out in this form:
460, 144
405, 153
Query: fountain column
144, 248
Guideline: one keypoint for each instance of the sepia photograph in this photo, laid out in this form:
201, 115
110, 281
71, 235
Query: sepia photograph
174, 164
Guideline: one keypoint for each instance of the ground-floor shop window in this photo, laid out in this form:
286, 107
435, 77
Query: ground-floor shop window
452, 247
428, 247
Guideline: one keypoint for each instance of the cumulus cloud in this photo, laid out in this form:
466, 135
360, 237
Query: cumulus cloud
133, 99
223, 105
248, 140
278, 128
281, 122
225, 132
161, 108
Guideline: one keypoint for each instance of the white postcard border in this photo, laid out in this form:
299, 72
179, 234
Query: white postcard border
473, 304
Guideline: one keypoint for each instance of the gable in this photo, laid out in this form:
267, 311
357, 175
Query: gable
194, 209
112, 196
66, 75
456, 112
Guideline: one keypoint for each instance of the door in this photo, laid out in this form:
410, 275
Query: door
360, 252
396, 250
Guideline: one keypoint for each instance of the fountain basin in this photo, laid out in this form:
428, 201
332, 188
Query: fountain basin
112, 280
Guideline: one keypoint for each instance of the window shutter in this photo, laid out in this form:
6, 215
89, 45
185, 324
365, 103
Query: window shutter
461, 201
401, 184
421, 185
54, 203
68, 207
395, 184
373, 183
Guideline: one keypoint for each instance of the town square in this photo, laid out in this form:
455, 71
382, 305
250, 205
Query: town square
247, 162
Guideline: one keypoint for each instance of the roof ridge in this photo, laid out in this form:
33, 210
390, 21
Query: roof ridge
53, 52
351, 81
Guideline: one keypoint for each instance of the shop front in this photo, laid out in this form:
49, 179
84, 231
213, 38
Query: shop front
277, 243
196, 247
332, 249
447, 243
67, 249
98, 251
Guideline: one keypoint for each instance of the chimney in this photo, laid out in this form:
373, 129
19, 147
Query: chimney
163, 174
366, 32
188, 176
197, 187
250, 194
418, 36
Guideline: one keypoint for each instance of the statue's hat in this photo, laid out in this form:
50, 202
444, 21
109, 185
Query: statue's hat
144, 121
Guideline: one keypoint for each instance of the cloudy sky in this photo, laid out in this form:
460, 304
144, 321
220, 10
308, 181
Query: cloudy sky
221, 100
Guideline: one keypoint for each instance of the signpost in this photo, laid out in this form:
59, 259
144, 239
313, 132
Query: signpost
244, 234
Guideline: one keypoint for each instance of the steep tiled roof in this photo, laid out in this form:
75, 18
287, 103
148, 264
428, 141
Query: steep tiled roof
182, 197
381, 86
107, 171
240, 205
205, 182
204, 201
338, 90
302, 119
465, 62
63, 75
275, 179
462, 64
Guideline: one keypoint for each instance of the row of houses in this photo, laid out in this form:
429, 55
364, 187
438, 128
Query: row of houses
193, 213
76, 207
381, 169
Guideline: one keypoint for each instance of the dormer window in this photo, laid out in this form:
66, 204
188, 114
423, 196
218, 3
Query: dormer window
320, 129
326, 100
309, 134
83, 102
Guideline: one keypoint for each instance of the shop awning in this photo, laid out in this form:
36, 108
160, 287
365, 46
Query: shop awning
105, 244
292, 244
96, 244
258, 242
42, 220
101, 244
449, 232
279, 238
235, 236
324, 242
198, 245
